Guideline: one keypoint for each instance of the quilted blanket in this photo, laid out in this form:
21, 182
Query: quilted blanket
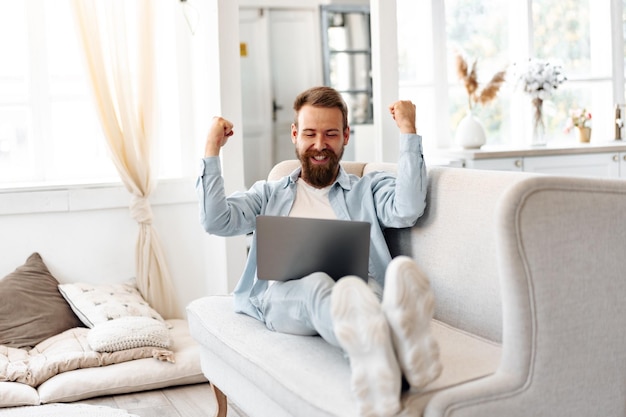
65, 352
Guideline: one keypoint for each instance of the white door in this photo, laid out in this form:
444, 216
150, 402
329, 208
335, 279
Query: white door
296, 64
280, 57
256, 94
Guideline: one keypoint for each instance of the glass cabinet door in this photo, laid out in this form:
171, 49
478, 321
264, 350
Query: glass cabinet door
347, 53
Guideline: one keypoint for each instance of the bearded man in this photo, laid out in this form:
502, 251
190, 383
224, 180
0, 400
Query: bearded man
382, 325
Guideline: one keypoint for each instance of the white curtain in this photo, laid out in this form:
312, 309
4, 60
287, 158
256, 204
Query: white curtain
117, 38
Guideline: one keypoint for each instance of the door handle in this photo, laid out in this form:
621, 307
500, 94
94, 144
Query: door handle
275, 108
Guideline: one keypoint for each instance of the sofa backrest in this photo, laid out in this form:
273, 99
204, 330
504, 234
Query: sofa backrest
454, 242
286, 167
357, 168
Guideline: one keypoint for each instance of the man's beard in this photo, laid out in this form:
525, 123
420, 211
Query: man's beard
319, 175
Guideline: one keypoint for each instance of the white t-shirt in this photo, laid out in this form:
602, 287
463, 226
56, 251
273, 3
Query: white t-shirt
312, 202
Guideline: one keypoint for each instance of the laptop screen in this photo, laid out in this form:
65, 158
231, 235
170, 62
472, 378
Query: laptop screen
293, 247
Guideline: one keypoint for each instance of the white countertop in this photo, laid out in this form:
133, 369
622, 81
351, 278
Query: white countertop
559, 148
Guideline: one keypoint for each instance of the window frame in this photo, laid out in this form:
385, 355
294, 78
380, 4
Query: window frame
39, 100
520, 49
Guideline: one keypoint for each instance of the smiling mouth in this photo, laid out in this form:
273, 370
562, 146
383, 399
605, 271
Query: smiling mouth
319, 158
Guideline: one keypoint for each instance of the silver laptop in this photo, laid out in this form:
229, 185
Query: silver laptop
294, 247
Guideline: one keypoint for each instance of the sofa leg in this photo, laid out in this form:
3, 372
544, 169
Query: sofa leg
220, 398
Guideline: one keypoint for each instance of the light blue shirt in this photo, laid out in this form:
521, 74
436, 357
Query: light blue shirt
383, 199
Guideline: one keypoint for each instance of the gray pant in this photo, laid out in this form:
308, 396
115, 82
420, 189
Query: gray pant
302, 306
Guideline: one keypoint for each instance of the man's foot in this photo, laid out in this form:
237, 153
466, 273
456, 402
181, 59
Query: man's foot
409, 304
362, 331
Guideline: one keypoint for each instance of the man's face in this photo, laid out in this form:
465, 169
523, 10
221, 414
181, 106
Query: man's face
320, 139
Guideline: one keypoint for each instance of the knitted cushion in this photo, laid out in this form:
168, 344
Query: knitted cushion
127, 333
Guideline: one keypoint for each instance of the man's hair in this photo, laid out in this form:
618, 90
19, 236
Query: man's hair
321, 97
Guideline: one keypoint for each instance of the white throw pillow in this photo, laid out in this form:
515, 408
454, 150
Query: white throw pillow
98, 303
128, 333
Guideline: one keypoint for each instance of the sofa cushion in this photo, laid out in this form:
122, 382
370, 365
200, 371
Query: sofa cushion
32, 309
254, 366
98, 303
15, 394
132, 376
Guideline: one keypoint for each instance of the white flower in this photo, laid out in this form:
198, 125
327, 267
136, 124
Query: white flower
539, 79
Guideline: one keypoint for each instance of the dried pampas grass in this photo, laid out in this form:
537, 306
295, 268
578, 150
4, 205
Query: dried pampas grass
468, 74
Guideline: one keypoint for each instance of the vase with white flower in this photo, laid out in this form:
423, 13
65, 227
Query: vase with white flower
470, 132
540, 79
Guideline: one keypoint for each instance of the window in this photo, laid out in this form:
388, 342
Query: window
498, 33
49, 129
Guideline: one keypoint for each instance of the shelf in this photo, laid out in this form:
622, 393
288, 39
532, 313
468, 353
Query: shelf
355, 91
350, 51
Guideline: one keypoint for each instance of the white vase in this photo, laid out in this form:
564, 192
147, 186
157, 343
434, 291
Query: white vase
470, 133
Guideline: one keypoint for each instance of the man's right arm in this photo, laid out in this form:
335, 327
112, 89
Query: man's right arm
221, 215
219, 132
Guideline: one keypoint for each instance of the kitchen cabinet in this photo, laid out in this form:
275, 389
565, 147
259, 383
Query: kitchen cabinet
622, 164
606, 160
500, 164
605, 165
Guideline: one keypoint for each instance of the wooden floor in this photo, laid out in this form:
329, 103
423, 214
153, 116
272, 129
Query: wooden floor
184, 401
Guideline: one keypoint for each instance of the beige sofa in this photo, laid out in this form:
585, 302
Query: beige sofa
529, 277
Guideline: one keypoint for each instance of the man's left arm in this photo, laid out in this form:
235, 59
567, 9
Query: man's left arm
408, 198
411, 179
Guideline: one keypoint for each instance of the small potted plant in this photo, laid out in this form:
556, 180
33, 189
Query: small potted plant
580, 119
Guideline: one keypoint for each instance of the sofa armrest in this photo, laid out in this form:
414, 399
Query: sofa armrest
561, 245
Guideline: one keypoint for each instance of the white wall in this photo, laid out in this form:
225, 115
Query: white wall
86, 234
